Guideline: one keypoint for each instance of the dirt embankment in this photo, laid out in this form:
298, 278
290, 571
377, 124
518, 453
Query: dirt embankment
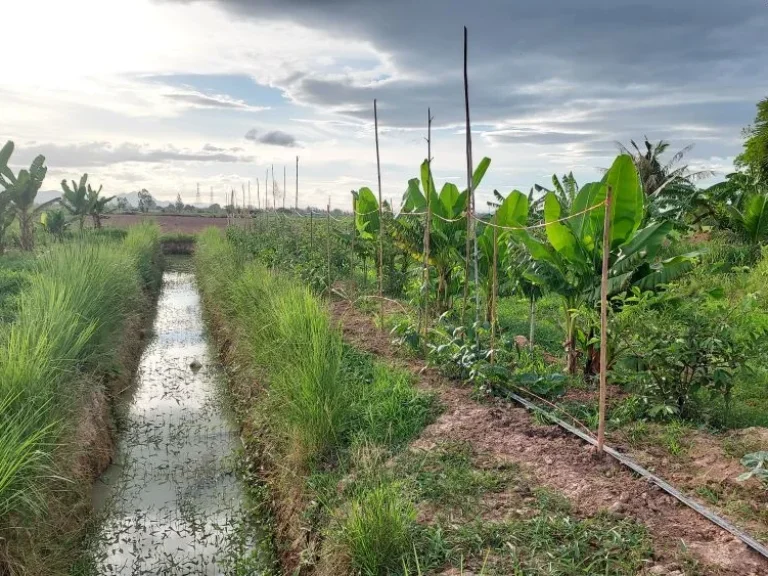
562, 462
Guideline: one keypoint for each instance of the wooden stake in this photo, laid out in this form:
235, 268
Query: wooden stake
381, 220
604, 322
311, 229
297, 184
428, 222
494, 287
258, 195
284, 187
354, 235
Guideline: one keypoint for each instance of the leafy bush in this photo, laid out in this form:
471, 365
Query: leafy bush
684, 347
757, 462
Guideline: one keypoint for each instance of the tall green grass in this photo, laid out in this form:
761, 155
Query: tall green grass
68, 318
320, 399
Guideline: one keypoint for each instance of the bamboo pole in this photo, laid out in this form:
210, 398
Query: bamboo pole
494, 287
284, 187
604, 321
311, 229
381, 220
428, 222
328, 245
297, 184
258, 195
354, 235
471, 228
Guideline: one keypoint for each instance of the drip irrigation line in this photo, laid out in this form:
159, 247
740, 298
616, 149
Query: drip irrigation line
635, 467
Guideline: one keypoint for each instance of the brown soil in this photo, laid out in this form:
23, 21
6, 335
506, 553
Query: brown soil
168, 223
562, 462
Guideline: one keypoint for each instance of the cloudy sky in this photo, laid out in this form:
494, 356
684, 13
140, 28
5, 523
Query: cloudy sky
167, 94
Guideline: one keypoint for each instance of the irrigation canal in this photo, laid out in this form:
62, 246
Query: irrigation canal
171, 502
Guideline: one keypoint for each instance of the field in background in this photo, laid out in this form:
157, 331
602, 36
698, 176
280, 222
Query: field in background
168, 222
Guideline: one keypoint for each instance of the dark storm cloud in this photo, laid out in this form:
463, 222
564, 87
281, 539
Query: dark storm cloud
105, 154
273, 138
551, 67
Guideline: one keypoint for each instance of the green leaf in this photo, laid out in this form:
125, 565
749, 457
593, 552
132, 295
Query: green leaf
477, 175
5, 156
367, 217
449, 198
413, 199
755, 217
559, 235
513, 211
627, 208
647, 240
589, 226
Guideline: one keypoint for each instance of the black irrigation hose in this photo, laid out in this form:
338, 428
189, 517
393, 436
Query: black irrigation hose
635, 467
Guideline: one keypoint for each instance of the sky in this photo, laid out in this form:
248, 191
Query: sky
171, 94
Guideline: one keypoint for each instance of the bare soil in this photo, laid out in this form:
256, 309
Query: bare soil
169, 223
562, 462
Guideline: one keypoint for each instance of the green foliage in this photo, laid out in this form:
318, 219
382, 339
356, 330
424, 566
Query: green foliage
54, 223
378, 530
67, 319
680, 346
754, 158
320, 397
757, 462
20, 192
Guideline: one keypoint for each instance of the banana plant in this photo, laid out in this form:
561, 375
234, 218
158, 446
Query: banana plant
97, 205
448, 228
573, 248
75, 199
22, 191
6, 217
54, 223
512, 212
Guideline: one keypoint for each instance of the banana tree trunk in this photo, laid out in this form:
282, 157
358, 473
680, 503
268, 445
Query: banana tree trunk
96, 221
25, 229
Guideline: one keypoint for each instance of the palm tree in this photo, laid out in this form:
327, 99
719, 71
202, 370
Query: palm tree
668, 186
75, 199
22, 191
97, 205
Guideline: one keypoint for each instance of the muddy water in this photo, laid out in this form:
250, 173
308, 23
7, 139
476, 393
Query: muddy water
171, 503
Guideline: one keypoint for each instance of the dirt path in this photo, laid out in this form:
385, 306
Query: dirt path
564, 463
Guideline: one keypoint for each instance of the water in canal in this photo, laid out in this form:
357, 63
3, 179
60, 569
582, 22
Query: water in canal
171, 503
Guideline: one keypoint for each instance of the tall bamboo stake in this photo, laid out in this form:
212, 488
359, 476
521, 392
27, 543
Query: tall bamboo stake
471, 228
297, 184
354, 235
604, 321
258, 195
274, 190
328, 245
494, 288
249, 195
311, 229
381, 220
428, 222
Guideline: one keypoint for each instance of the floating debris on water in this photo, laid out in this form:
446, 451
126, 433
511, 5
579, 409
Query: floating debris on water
171, 501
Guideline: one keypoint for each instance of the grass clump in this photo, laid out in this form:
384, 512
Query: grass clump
378, 530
